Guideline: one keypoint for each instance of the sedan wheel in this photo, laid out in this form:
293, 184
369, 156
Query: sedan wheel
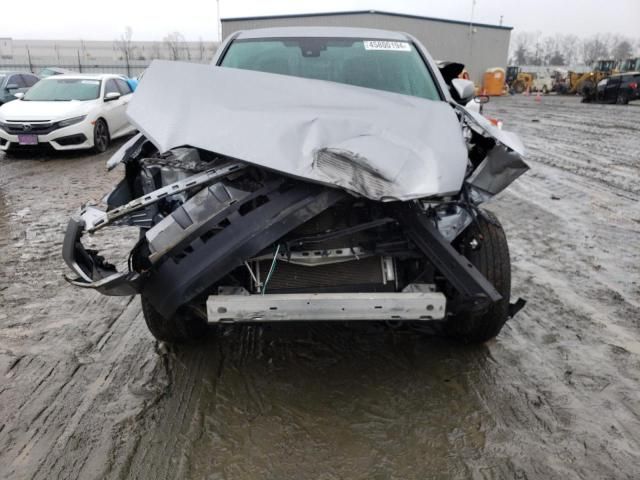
622, 99
101, 137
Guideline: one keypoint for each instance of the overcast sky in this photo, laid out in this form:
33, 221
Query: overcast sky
152, 19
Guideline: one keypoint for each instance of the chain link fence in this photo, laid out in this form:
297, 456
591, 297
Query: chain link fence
132, 68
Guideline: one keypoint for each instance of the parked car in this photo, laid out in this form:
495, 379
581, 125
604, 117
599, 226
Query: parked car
15, 82
51, 71
68, 112
621, 88
312, 174
132, 81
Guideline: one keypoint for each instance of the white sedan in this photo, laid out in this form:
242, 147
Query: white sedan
68, 112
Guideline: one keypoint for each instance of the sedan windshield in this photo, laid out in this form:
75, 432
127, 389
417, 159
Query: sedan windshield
393, 66
63, 90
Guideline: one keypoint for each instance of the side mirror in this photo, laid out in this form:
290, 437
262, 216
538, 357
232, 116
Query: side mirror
481, 99
12, 86
465, 90
18, 95
111, 96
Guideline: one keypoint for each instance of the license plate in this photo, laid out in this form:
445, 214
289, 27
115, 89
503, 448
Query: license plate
28, 139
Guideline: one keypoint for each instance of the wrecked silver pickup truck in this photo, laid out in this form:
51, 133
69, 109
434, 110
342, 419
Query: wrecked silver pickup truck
310, 174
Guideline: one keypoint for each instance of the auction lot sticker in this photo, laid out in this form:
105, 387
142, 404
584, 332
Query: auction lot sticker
387, 45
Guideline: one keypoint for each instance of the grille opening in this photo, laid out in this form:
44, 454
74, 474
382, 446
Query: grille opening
206, 236
253, 204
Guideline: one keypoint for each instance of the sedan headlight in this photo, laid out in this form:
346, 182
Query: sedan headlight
3, 126
70, 121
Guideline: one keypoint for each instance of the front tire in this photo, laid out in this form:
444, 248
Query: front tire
622, 99
518, 86
188, 324
491, 258
587, 90
101, 136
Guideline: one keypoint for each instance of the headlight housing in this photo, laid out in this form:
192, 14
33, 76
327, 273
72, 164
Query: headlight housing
3, 126
70, 121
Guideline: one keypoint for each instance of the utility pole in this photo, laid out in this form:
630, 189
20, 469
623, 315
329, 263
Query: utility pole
473, 7
29, 58
219, 21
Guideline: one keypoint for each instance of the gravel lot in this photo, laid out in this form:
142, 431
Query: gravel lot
85, 392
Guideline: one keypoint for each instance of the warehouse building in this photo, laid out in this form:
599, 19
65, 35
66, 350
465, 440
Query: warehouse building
479, 46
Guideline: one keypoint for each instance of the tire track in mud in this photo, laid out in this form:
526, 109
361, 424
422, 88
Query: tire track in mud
578, 264
599, 142
317, 391
68, 358
86, 393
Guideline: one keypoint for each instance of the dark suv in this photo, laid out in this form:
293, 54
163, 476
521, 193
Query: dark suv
620, 88
15, 82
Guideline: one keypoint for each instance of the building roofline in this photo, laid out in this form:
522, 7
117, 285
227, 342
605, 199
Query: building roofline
361, 12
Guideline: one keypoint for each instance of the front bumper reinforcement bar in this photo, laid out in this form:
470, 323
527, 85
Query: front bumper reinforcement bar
327, 306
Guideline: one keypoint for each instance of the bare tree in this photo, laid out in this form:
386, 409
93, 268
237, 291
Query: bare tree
522, 43
529, 48
520, 55
549, 48
569, 48
556, 59
594, 48
125, 47
175, 43
622, 50
155, 50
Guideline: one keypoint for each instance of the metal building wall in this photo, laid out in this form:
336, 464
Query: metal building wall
479, 48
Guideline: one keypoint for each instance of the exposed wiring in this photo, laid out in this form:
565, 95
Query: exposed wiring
271, 270
253, 276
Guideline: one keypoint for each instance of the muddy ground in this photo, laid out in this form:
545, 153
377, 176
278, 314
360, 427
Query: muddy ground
85, 392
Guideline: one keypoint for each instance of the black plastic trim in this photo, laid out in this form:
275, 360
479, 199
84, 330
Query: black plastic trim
176, 282
475, 290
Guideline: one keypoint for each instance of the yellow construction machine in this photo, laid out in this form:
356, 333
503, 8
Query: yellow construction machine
522, 82
585, 83
630, 65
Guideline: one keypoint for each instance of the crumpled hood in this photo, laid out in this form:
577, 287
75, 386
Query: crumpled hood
381, 145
